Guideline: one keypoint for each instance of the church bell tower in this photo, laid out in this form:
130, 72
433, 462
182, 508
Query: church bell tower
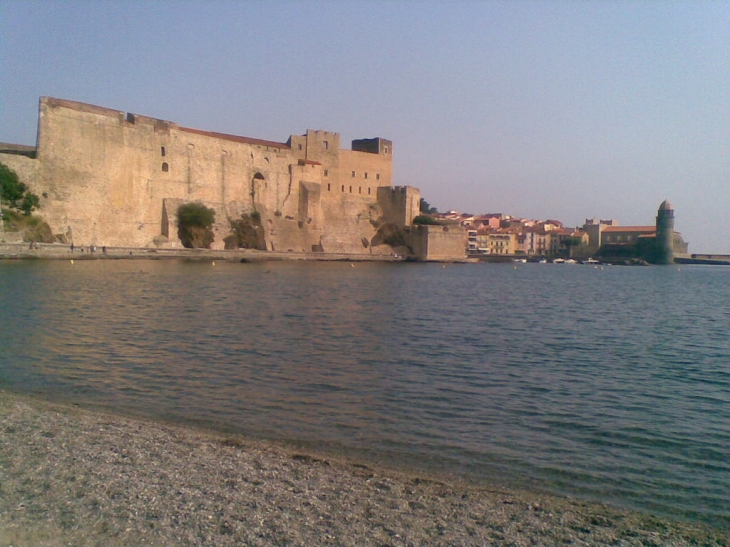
664, 250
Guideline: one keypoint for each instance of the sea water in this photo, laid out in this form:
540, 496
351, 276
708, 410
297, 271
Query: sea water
604, 383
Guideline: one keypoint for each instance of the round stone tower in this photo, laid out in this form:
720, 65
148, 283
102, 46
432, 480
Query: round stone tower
664, 250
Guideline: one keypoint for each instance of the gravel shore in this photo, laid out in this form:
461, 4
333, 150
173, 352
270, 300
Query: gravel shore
74, 477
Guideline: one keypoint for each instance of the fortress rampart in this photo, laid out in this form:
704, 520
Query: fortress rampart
107, 177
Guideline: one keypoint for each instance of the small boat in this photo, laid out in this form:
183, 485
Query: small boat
571, 261
559, 261
519, 260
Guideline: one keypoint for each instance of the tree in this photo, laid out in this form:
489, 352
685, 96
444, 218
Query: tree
14, 193
194, 221
572, 242
426, 208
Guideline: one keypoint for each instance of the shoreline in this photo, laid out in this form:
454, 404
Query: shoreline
87, 477
58, 251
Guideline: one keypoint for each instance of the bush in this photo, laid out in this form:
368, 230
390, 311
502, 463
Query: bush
426, 219
14, 193
246, 233
195, 214
194, 221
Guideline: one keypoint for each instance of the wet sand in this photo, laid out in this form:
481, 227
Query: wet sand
75, 477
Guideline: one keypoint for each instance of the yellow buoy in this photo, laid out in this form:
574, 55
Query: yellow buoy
72, 261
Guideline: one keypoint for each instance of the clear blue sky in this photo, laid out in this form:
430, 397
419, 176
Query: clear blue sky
541, 109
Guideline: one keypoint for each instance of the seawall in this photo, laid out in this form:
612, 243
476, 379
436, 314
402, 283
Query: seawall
50, 251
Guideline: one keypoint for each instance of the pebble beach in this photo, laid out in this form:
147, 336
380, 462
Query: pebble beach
70, 476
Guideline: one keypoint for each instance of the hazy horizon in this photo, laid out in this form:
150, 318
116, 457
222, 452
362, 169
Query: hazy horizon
565, 110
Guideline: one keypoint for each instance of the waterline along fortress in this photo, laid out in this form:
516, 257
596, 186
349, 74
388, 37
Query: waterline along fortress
113, 178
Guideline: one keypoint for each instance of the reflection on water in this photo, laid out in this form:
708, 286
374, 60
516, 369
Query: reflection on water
609, 384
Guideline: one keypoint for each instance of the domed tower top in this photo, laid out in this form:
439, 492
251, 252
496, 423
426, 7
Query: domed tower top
666, 206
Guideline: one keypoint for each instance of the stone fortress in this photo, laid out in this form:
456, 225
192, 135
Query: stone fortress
113, 178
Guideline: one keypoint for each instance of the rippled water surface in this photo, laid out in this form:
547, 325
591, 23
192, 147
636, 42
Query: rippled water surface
608, 384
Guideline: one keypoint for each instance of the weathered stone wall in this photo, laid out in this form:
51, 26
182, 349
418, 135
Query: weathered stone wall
438, 242
115, 178
401, 204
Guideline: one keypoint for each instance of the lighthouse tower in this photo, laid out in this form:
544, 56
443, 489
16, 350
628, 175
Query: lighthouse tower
663, 250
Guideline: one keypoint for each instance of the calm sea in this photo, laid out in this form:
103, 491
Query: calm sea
607, 384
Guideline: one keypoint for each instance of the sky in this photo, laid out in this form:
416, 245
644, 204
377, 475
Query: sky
542, 109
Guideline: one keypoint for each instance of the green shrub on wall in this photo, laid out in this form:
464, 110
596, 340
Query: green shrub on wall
194, 222
426, 219
14, 193
246, 233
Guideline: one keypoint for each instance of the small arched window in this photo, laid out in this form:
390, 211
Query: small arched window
165, 167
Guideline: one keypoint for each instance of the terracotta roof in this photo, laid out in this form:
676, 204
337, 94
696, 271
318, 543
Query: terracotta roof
235, 138
618, 229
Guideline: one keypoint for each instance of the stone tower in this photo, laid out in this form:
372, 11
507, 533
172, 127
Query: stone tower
663, 250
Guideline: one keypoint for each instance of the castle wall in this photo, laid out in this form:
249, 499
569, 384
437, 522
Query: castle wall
438, 242
116, 179
401, 204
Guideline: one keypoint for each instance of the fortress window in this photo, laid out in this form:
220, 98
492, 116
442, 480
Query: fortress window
385, 149
326, 145
326, 172
162, 151
165, 167
377, 176
300, 147
366, 175
343, 187
351, 189
368, 191
353, 174
359, 190
329, 187
130, 117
